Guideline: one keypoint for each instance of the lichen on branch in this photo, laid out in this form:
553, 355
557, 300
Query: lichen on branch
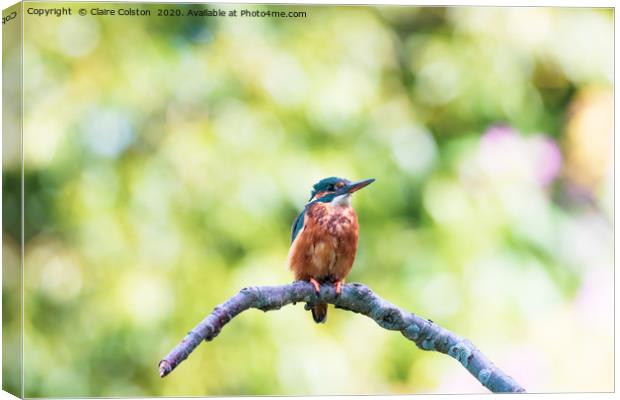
354, 297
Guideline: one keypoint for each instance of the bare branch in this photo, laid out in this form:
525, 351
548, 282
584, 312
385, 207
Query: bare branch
359, 299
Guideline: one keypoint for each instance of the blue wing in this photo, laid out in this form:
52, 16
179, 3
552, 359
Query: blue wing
298, 224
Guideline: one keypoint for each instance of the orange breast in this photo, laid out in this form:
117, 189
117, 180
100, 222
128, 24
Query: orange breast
326, 246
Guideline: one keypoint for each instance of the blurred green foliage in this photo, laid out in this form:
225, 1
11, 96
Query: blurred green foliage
165, 159
11, 204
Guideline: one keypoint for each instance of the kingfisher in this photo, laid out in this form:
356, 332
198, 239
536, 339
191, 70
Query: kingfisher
324, 237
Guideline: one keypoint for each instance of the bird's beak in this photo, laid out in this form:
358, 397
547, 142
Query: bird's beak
355, 186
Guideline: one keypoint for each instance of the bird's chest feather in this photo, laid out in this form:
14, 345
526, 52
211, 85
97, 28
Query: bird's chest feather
338, 222
327, 244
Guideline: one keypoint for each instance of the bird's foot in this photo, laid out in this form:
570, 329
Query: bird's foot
316, 284
338, 284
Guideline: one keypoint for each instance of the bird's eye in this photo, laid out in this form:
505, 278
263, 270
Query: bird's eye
331, 188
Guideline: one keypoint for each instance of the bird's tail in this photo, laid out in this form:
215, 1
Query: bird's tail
319, 313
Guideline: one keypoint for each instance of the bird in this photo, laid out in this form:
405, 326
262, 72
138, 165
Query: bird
324, 237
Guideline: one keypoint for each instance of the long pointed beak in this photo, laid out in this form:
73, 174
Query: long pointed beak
355, 186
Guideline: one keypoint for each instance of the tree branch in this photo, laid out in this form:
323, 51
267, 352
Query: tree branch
359, 299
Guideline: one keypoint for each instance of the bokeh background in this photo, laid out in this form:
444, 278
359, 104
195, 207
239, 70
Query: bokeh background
165, 159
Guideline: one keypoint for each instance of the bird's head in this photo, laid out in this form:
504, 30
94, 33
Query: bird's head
336, 190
